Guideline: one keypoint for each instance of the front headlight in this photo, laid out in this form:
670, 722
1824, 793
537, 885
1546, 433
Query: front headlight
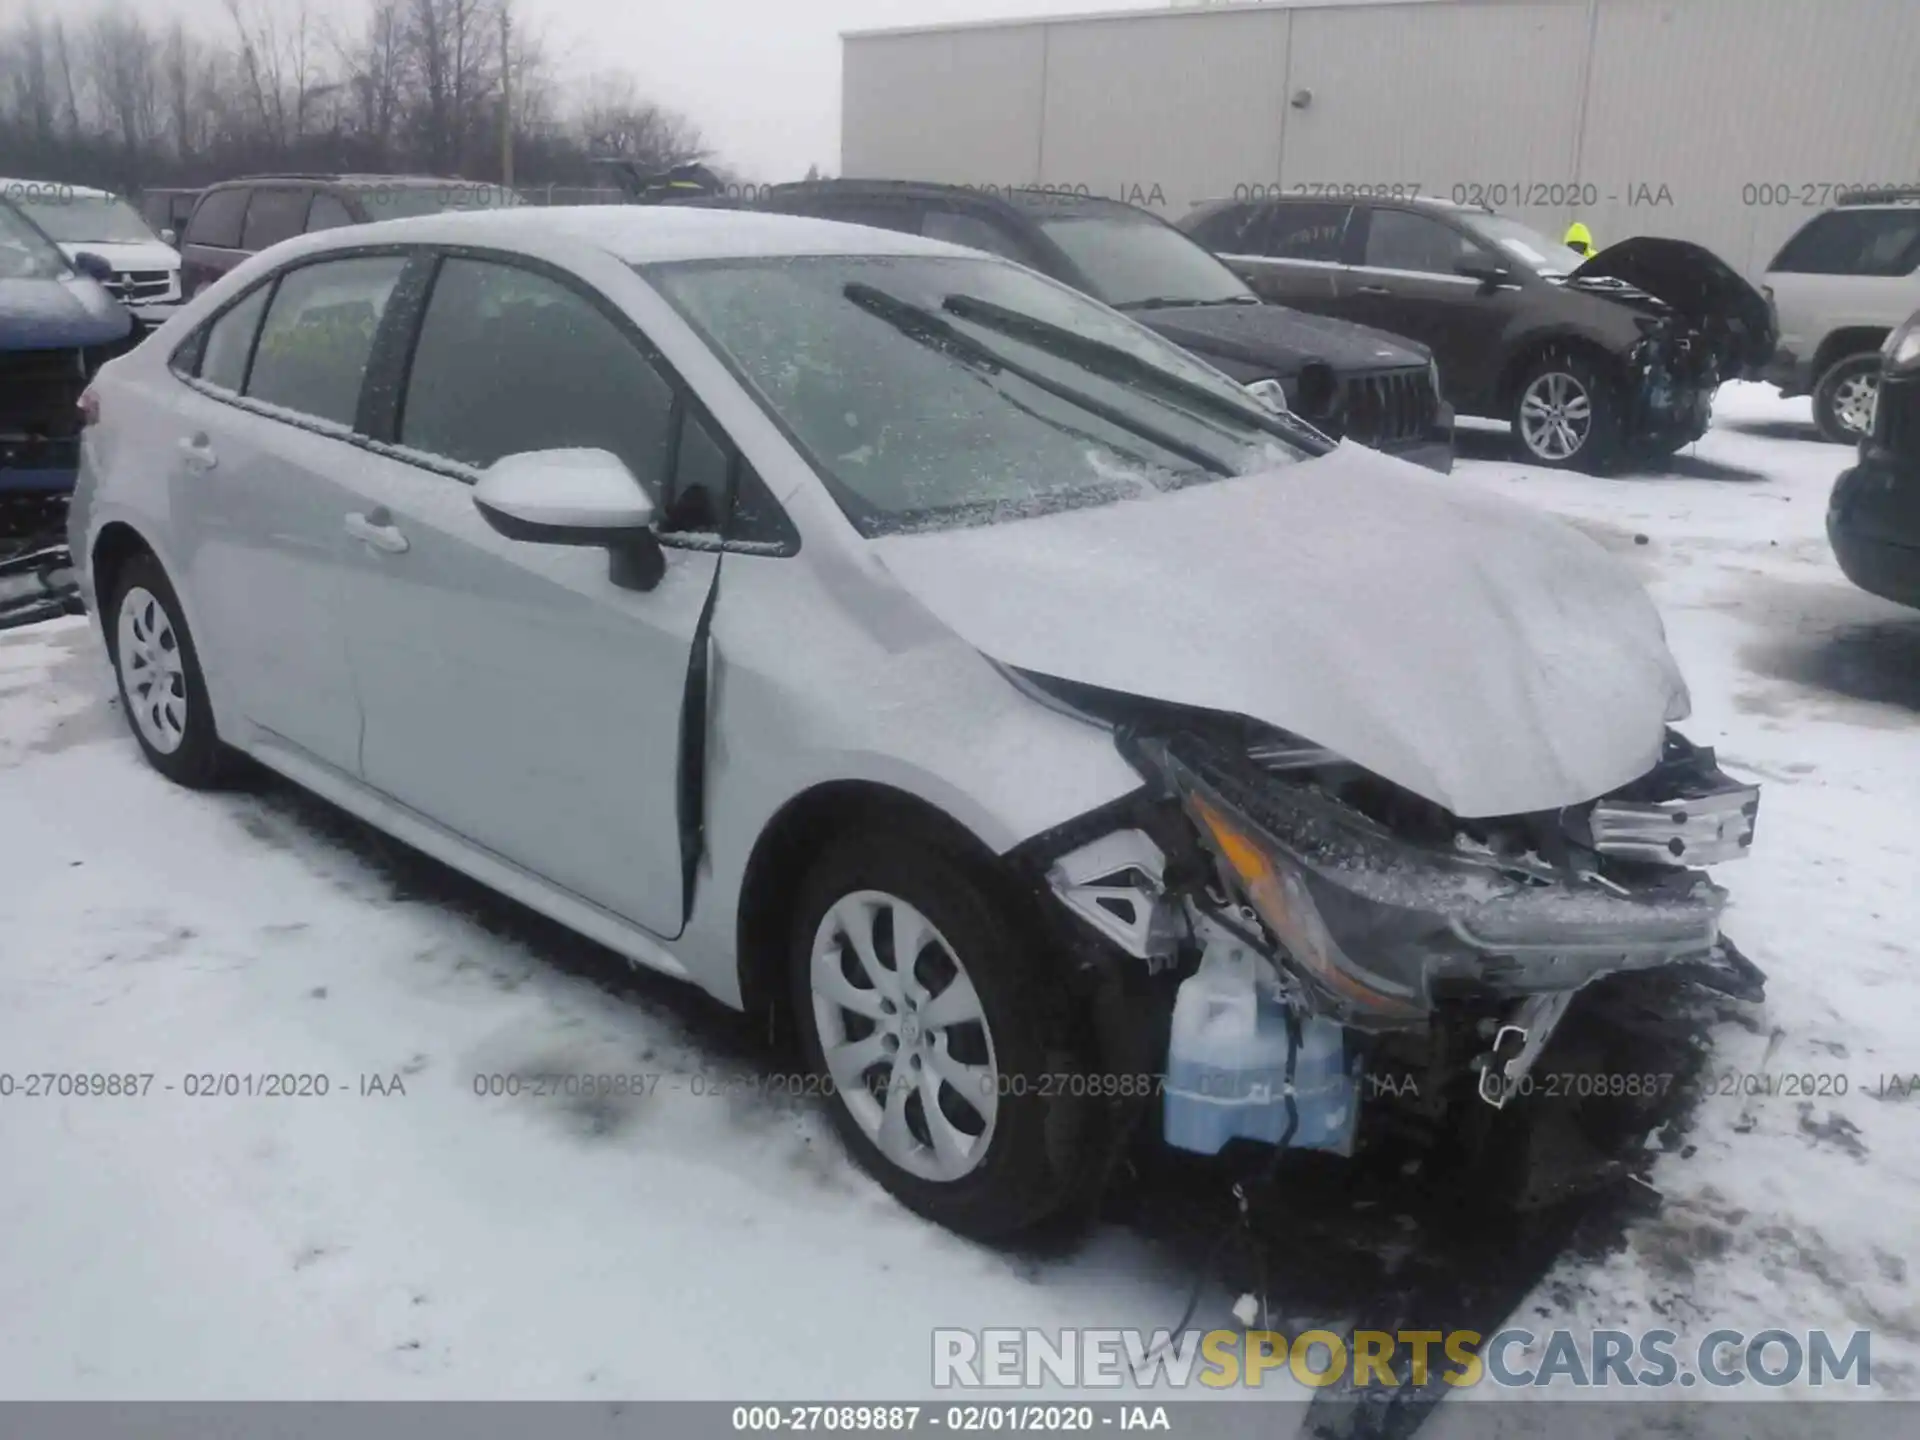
1902, 350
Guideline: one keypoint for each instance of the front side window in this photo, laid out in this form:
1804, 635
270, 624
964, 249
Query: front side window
1135, 259
1401, 240
229, 343
26, 254
509, 360
1545, 257
318, 334
938, 392
272, 216
216, 219
78, 219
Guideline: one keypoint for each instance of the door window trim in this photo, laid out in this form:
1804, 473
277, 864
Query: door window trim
396, 345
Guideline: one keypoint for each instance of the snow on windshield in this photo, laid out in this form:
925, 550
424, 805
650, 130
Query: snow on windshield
920, 417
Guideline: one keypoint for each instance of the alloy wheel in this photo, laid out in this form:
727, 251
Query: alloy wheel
904, 1036
1854, 401
1556, 415
151, 670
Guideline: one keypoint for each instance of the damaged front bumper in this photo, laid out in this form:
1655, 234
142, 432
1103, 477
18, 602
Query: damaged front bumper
1366, 912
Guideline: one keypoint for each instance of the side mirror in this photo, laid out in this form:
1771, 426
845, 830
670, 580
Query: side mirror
94, 267
575, 497
1490, 275
169, 236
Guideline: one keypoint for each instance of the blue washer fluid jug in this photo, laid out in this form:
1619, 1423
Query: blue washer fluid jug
1227, 1062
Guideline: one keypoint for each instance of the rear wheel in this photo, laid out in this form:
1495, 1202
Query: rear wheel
162, 687
1845, 396
926, 1015
1566, 414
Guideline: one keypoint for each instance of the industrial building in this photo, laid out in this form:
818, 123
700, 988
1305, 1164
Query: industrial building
1728, 122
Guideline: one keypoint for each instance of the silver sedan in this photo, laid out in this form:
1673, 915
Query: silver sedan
1063, 744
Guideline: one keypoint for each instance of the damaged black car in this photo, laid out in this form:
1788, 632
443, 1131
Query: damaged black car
1595, 362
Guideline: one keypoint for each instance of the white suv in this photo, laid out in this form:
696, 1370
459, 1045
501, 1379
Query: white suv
146, 270
1839, 287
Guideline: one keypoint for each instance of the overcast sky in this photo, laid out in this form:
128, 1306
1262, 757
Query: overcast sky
761, 78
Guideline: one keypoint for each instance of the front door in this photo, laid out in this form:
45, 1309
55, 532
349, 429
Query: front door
514, 692
1406, 281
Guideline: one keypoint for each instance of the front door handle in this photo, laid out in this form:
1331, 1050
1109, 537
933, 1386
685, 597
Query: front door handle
1372, 290
377, 530
197, 451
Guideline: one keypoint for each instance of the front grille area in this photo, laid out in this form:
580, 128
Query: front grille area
140, 287
1896, 416
1388, 408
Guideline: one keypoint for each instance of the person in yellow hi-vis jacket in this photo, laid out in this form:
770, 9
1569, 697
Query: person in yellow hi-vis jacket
1579, 239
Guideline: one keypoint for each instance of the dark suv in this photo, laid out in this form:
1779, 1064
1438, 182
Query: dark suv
1592, 360
1348, 381
1873, 519
236, 219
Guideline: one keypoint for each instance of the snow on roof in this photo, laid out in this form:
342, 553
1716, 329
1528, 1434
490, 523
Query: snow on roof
18, 190
639, 234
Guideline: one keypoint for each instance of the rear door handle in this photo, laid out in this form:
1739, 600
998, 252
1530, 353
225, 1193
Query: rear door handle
377, 530
197, 451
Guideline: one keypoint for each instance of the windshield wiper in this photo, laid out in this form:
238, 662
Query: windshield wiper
927, 328
1169, 302
1118, 364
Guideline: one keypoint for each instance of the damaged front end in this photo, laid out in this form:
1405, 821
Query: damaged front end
1316, 926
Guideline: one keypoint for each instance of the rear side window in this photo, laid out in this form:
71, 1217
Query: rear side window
327, 213
319, 331
274, 215
509, 361
1300, 232
216, 219
229, 342
1854, 242
1225, 231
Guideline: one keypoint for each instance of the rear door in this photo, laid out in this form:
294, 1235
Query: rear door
1290, 252
517, 693
265, 437
1404, 280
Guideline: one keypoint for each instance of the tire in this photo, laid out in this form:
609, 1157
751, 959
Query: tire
1004, 1166
1566, 414
1844, 396
162, 687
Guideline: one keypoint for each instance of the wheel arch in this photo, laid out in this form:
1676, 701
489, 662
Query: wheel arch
1531, 349
1847, 342
116, 544
777, 865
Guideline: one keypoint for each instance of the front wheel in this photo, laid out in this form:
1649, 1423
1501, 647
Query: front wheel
1566, 415
926, 1014
1845, 397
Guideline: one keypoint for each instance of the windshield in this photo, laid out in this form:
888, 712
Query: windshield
77, 219
26, 254
1134, 259
930, 393
396, 201
1544, 257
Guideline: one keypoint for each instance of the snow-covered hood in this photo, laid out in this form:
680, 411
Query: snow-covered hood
150, 255
1476, 652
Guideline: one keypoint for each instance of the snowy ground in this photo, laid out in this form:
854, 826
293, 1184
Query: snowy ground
435, 1244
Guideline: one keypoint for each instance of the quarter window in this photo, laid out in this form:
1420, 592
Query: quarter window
230, 341
510, 361
318, 334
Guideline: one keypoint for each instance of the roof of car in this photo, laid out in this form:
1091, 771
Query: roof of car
640, 234
332, 178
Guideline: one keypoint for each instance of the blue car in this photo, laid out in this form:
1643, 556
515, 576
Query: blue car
58, 326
